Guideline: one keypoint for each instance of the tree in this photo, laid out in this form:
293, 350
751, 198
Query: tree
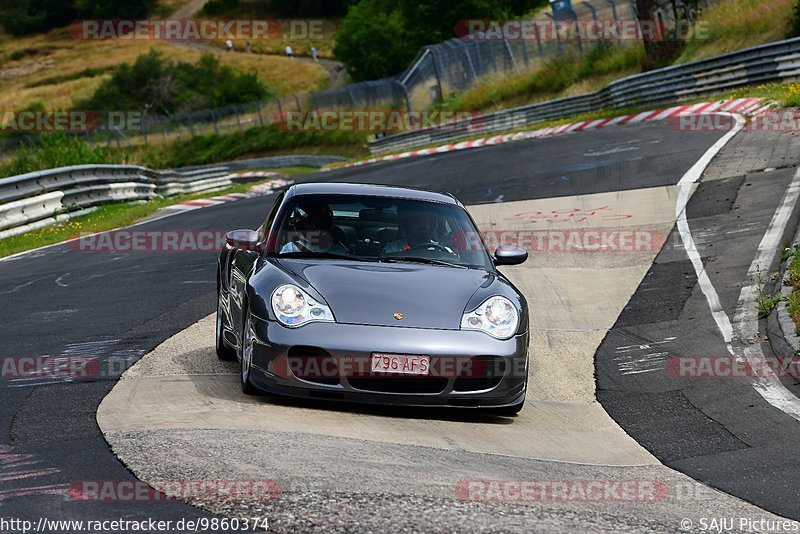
21, 17
665, 49
372, 41
114, 9
379, 38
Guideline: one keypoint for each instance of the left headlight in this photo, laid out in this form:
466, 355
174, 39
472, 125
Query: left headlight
496, 316
294, 307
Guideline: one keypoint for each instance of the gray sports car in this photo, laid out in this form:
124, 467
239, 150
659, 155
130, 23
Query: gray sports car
374, 294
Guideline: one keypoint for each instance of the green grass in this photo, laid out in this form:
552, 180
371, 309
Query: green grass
793, 280
59, 150
552, 79
729, 25
259, 141
110, 216
724, 26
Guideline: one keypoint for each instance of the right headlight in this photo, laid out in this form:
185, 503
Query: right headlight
496, 316
294, 307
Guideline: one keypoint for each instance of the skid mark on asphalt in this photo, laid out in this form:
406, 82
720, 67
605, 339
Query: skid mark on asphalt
16, 466
637, 359
68, 366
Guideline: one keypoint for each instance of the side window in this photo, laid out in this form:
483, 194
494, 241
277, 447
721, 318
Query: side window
262, 232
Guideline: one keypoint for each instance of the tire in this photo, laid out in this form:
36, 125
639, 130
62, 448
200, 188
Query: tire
224, 352
247, 357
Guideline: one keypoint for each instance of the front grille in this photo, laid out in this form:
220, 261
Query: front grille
400, 384
483, 372
313, 364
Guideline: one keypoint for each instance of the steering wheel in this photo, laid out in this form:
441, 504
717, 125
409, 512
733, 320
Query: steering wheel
429, 246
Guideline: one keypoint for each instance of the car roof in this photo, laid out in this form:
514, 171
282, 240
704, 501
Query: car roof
390, 191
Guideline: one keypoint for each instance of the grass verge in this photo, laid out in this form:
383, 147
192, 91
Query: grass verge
725, 26
58, 150
793, 299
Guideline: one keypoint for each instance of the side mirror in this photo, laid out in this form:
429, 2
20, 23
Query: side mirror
508, 255
243, 239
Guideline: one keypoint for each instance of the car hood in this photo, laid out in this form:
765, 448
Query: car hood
428, 296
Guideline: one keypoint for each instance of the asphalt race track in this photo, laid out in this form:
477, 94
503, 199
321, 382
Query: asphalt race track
178, 413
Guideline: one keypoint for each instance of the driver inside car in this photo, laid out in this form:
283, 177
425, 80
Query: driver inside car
314, 231
417, 227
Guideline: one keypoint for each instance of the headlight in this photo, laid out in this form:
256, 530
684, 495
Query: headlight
294, 307
497, 317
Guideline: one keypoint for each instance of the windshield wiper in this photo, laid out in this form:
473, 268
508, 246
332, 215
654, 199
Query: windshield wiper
416, 259
325, 255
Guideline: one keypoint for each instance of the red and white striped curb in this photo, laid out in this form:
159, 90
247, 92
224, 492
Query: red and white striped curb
269, 187
745, 106
212, 201
255, 191
253, 174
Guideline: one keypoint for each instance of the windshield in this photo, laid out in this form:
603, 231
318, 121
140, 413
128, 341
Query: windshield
365, 228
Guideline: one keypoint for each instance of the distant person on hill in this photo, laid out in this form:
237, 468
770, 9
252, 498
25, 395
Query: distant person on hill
289, 51
314, 53
247, 48
229, 45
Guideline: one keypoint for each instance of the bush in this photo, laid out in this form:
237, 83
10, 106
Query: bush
163, 86
57, 150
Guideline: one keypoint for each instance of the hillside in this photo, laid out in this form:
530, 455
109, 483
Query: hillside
56, 70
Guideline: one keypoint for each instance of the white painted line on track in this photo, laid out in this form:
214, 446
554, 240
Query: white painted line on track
745, 319
684, 189
741, 336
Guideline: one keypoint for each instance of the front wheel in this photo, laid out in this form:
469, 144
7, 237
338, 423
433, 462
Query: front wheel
248, 339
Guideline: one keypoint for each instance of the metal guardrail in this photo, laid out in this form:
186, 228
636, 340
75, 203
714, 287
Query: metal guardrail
38, 199
772, 62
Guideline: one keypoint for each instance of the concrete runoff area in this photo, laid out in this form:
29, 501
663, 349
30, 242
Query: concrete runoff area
179, 404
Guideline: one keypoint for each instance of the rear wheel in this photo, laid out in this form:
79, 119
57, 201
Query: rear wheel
224, 352
248, 338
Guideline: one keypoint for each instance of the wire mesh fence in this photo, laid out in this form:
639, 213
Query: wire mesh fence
438, 72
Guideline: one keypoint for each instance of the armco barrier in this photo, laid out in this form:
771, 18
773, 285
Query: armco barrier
773, 62
38, 199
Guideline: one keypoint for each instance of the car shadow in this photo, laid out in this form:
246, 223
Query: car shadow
460, 415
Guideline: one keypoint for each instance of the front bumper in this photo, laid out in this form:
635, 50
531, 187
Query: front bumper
469, 369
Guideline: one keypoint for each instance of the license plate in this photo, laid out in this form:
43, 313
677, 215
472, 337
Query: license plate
401, 364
